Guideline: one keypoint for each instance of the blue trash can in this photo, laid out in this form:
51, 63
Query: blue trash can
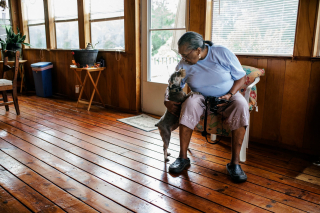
42, 78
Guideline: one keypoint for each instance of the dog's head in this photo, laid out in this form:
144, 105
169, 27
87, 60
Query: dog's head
176, 78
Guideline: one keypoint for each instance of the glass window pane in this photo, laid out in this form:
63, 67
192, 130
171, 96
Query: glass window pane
255, 26
164, 54
37, 36
67, 35
106, 9
64, 10
4, 21
318, 47
6, 12
35, 11
109, 34
168, 14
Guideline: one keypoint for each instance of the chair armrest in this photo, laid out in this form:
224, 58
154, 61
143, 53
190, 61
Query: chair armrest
248, 89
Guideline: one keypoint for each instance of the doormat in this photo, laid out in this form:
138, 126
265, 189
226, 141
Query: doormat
144, 122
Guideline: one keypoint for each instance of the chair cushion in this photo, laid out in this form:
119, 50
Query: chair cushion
252, 73
5, 82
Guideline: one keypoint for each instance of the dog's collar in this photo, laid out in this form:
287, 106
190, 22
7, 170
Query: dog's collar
178, 89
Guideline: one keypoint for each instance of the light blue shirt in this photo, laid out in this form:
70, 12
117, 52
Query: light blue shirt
215, 74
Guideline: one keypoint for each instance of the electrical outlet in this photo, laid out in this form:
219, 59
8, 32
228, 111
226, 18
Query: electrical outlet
77, 88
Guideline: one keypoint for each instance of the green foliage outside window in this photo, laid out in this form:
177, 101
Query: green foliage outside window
161, 16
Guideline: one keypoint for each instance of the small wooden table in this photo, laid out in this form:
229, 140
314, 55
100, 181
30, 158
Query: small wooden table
82, 84
21, 71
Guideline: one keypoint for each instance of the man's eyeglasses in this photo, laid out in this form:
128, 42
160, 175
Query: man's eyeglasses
186, 56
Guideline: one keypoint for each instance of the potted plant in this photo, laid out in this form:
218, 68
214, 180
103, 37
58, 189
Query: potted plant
13, 41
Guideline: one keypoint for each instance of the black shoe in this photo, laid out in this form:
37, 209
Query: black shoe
179, 165
236, 173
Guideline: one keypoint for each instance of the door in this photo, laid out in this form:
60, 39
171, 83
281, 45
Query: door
163, 23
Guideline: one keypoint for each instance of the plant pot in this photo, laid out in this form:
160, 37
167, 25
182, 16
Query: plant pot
10, 53
15, 47
85, 57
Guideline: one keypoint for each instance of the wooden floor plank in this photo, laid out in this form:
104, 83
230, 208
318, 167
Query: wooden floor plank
285, 167
297, 167
239, 193
106, 175
25, 194
93, 148
93, 182
186, 209
10, 204
296, 202
43, 186
113, 117
214, 196
224, 161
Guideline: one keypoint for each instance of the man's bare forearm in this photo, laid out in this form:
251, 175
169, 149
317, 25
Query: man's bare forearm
237, 84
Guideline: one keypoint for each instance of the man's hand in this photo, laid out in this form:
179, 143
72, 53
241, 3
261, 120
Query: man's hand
173, 107
226, 97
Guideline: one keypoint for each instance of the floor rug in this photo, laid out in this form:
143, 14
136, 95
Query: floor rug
144, 122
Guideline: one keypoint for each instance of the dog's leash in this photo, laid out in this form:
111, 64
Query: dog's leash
204, 132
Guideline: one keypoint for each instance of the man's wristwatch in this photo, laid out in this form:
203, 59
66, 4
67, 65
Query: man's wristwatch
230, 93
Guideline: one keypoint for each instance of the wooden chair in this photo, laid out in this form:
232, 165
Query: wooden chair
215, 124
8, 85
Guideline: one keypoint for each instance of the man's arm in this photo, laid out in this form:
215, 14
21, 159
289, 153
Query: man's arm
237, 85
234, 89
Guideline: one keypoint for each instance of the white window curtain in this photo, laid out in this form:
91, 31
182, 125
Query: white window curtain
255, 26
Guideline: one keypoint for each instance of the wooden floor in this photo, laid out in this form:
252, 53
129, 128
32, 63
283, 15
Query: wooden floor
57, 158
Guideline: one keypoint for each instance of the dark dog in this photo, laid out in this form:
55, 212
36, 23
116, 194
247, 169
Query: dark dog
169, 122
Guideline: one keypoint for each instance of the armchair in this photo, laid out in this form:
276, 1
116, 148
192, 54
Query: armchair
215, 124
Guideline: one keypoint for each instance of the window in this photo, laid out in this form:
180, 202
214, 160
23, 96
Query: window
5, 21
316, 51
36, 23
255, 26
66, 24
107, 24
167, 25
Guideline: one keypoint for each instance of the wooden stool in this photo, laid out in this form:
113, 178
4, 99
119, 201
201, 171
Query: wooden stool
82, 84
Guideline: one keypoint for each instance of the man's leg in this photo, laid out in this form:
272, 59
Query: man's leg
237, 139
185, 137
237, 116
234, 168
191, 110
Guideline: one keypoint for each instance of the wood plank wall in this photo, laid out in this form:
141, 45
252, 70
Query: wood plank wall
119, 85
288, 96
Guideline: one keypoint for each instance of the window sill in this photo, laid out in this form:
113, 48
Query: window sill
265, 55
100, 50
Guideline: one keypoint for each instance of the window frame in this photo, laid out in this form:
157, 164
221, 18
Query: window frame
109, 19
50, 7
10, 13
150, 30
84, 25
55, 30
316, 42
209, 24
25, 26
32, 25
